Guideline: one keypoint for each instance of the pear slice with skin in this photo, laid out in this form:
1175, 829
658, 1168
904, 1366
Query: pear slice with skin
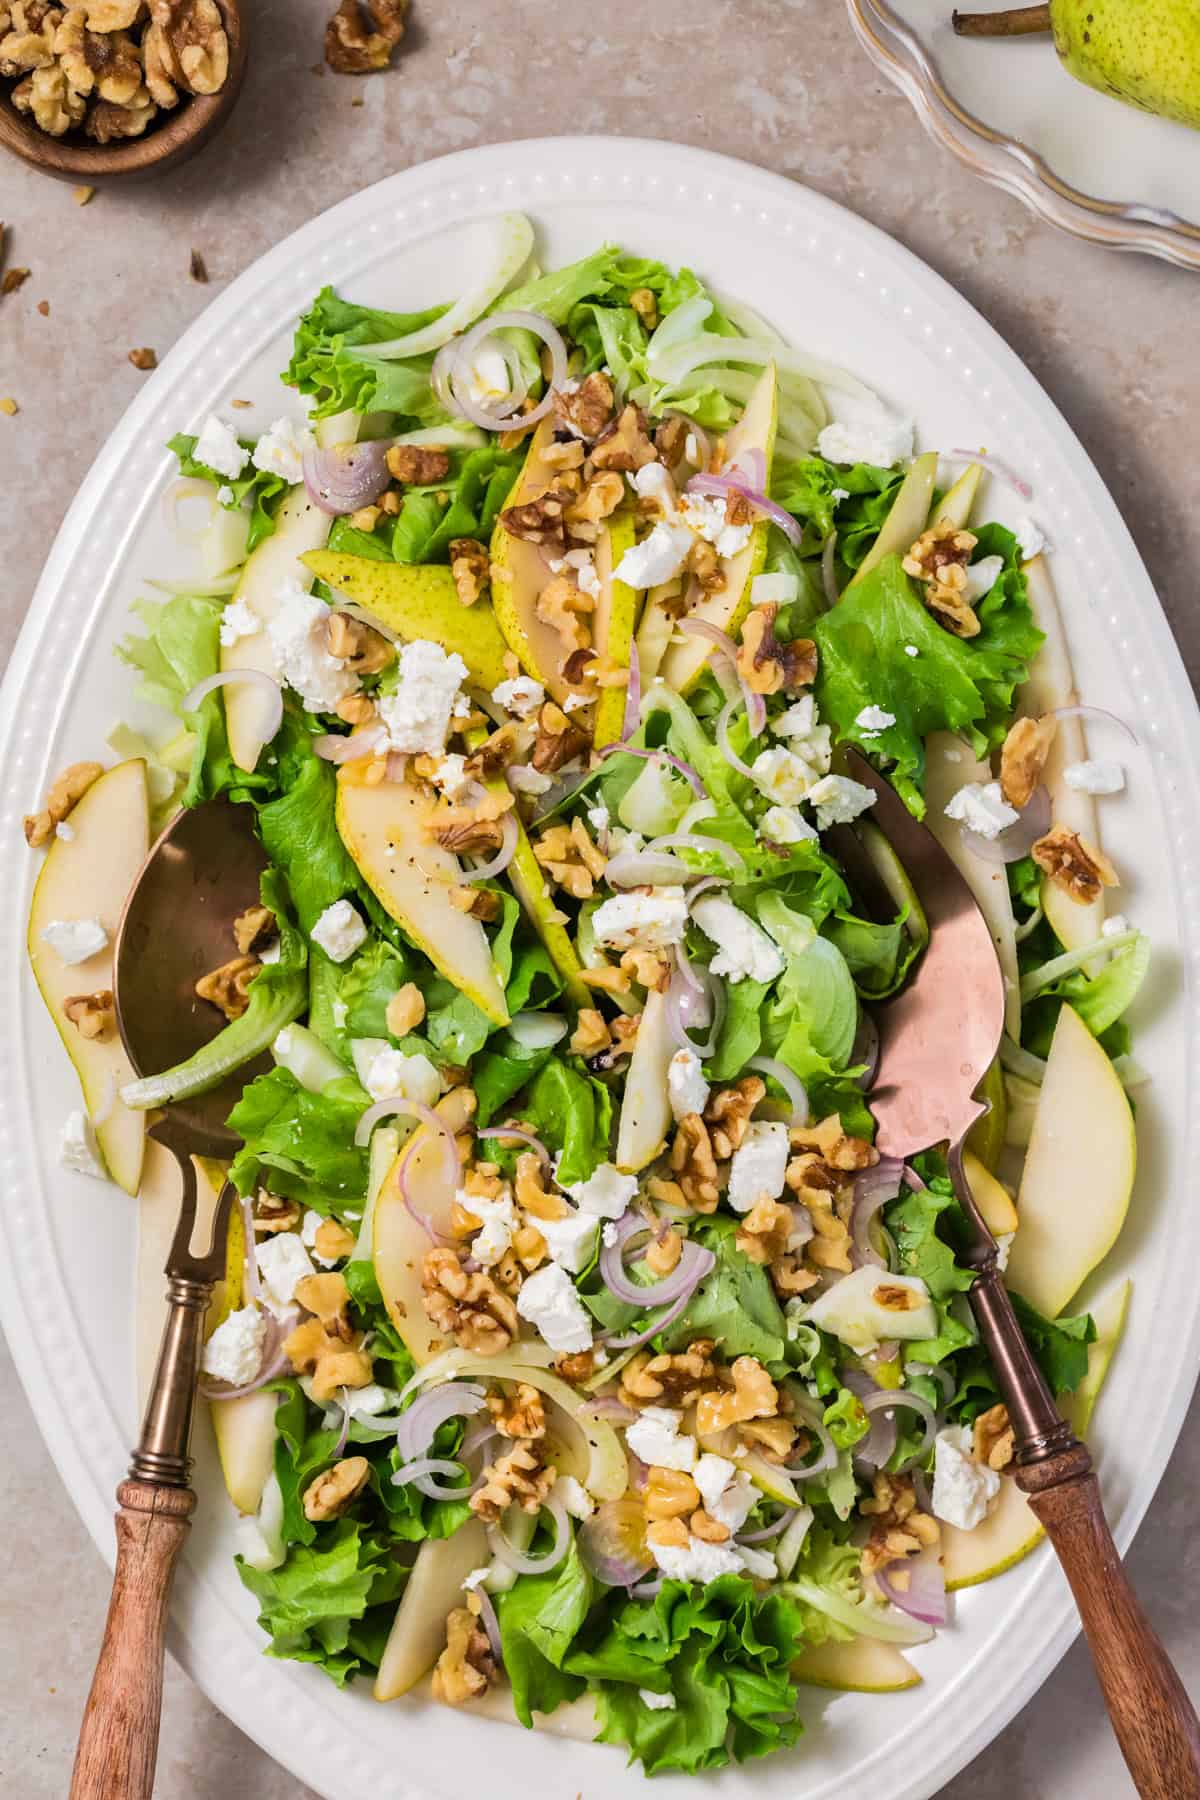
418, 600
988, 1134
685, 661
300, 526
612, 626
434, 1588
1078, 1173
88, 876
1007, 1535
1108, 1315
906, 521
1051, 684
399, 1238
861, 1666
956, 503
656, 627
646, 1109
990, 1196
382, 827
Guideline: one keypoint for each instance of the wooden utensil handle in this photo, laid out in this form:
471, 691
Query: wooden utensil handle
118, 1740
1151, 1714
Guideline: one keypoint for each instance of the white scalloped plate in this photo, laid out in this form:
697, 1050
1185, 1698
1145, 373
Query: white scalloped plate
1012, 114
836, 285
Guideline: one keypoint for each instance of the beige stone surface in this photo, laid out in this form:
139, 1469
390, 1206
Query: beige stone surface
781, 83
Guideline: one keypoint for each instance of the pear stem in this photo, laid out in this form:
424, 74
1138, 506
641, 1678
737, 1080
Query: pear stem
1019, 21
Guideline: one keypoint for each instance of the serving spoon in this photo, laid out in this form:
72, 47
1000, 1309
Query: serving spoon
201, 873
938, 1037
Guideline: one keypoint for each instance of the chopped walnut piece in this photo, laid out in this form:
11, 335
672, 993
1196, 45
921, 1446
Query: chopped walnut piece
362, 36
253, 928
729, 1111
273, 1213
1079, 868
228, 987
517, 1478
624, 445
570, 858
417, 465
355, 709
332, 1364
28, 42
663, 1253
1023, 758
333, 1241
351, 641
111, 15
466, 837
588, 410
541, 520
470, 566
576, 1368
898, 1527
331, 1493
763, 1234
607, 979
563, 606
994, 1440
327, 1297
775, 1437
675, 1379
14, 278
469, 1307
670, 1493
645, 305
48, 95
107, 122
466, 1666
65, 793
519, 1415
405, 1010
708, 1529
478, 902
832, 1143
591, 1034
533, 1196
647, 968
600, 498
694, 1165
92, 1015
753, 1396
668, 1534
558, 741
193, 36
768, 666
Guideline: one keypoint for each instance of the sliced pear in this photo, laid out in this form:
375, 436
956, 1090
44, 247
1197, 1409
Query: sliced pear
906, 521
245, 1434
300, 526
1078, 1173
646, 1108
684, 662
770, 1478
1051, 684
520, 570
418, 1634
383, 829
990, 1196
612, 625
1108, 1315
88, 876
1021, 1099
950, 765
399, 1240
987, 1135
895, 878
956, 503
655, 629
528, 883
1009, 1533
418, 600
861, 1666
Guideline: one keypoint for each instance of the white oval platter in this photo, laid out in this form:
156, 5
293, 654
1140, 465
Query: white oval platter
841, 288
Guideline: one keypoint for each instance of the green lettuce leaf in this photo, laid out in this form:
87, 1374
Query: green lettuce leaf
572, 1113
734, 1304
299, 1144
299, 831
539, 1616
478, 486
263, 490
316, 1607
320, 365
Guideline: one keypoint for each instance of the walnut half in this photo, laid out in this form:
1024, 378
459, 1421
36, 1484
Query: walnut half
362, 35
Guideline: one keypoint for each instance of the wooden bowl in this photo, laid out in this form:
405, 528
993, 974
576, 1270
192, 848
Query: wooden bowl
174, 137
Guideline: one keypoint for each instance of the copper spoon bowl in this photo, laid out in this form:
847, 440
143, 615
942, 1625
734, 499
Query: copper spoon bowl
201, 873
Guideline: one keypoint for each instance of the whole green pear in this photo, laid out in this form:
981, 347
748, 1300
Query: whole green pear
1145, 52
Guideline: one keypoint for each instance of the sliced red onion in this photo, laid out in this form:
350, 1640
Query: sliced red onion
694, 1264
477, 1439
486, 871
419, 1425
523, 779
765, 1532
751, 463
865, 1049
722, 734
1018, 839
422, 1474
251, 1283
648, 1590
703, 846
612, 1546
721, 639
520, 1560
872, 1188
271, 689
633, 695
333, 747
756, 710
491, 1624
828, 577
523, 1137
454, 372
803, 1228
638, 868
886, 1400
912, 1180
993, 465
397, 763
710, 881
681, 768
687, 1007
727, 484
347, 476
1095, 712
344, 1433
809, 1416
791, 1084
687, 974
934, 1372
925, 1596
412, 1109
607, 1406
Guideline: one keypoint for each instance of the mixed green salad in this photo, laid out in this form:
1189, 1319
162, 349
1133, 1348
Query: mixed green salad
578, 1349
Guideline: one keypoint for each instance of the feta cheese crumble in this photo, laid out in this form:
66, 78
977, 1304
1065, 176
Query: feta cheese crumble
575, 1497
498, 1220
652, 482
386, 1071
869, 435
77, 1147
806, 738
605, 1194
655, 1437
759, 1165
782, 776
74, 940
339, 931
839, 800
707, 514
280, 450
1030, 538
981, 578
418, 713
657, 558
744, 950
238, 620
218, 449
549, 1301
962, 1487
521, 696
687, 1089
981, 807
1115, 926
727, 1493
785, 825
1097, 775
570, 1241
297, 634
656, 1702
449, 775
696, 1560
779, 588
649, 921
875, 718
234, 1351
282, 1263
